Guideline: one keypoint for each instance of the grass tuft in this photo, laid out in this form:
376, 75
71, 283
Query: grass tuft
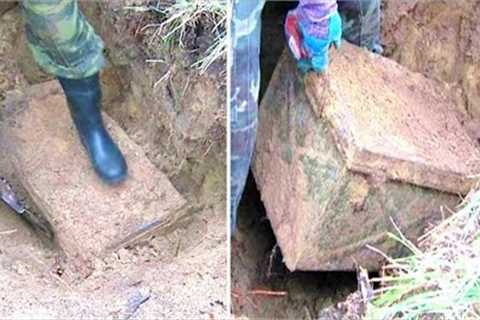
441, 279
179, 17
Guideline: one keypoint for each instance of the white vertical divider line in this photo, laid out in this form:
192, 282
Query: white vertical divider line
228, 157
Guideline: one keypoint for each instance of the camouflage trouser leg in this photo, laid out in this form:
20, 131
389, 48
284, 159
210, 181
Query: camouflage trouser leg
245, 83
361, 22
61, 39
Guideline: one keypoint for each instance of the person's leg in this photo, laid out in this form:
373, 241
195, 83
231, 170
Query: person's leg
64, 44
245, 83
361, 23
62, 41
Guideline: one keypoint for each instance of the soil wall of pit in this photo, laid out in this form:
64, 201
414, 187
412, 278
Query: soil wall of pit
439, 38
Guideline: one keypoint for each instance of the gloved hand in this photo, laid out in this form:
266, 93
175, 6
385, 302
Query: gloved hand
309, 40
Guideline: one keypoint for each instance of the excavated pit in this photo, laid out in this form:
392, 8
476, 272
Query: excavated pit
179, 131
415, 33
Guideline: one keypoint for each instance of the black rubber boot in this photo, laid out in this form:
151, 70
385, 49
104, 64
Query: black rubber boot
84, 100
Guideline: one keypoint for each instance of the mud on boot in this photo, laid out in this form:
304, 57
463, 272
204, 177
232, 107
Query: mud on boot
84, 101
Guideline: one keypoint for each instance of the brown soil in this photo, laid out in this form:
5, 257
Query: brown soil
440, 39
188, 281
141, 282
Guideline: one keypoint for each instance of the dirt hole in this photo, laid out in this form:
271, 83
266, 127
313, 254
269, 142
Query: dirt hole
262, 287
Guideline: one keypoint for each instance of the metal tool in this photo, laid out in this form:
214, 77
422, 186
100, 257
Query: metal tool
11, 199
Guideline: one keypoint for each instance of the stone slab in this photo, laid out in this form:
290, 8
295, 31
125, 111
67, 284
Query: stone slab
343, 156
88, 217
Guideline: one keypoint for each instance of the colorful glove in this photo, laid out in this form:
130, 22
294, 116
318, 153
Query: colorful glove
310, 37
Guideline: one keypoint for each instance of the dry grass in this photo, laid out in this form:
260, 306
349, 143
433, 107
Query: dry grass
179, 17
441, 278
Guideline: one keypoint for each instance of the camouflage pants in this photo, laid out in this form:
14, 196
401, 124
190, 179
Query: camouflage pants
361, 21
245, 27
62, 41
